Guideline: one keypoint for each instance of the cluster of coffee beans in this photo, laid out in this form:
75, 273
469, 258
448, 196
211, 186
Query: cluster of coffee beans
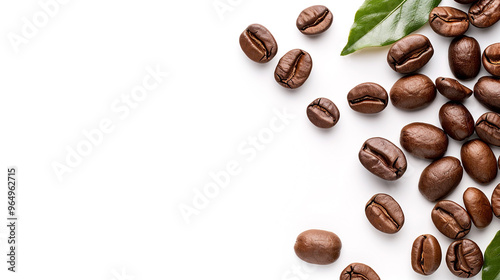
387, 161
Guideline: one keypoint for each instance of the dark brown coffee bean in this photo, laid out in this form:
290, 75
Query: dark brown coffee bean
491, 59
293, 69
384, 213
318, 246
323, 113
425, 254
464, 258
451, 219
382, 158
464, 57
452, 89
440, 178
424, 140
488, 128
448, 21
495, 201
413, 92
487, 91
465, 1
368, 98
479, 161
456, 120
358, 271
484, 13
258, 43
478, 206
314, 20
410, 54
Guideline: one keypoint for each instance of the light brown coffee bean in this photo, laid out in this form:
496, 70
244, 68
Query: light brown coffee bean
318, 246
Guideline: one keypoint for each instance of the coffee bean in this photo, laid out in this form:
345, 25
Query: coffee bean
318, 246
384, 213
452, 89
323, 113
487, 91
465, 1
440, 178
448, 21
314, 20
479, 161
478, 206
464, 258
456, 120
451, 219
425, 254
424, 140
491, 59
367, 98
410, 54
358, 271
484, 13
495, 201
488, 128
413, 92
293, 69
464, 57
258, 43
382, 158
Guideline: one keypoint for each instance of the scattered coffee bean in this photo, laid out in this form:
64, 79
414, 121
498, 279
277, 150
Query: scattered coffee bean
487, 91
425, 254
452, 89
424, 140
478, 206
323, 113
382, 158
451, 219
413, 92
358, 271
367, 98
258, 43
491, 59
488, 128
456, 120
440, 178
314, 20
293, 69
465, 1
484, 13
464, 57
448, 21
464, 258
495, 201
384, 213
479, 161
318, 246
410, 54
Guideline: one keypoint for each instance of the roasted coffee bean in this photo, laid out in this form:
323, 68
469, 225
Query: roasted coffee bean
410, 54
464, 258
293, 69
358, 271
424, 140
456, 120
440, 178
382, 158
413, 92
479, 161
484, 13
448, 21
478, 206
464, 57
323, 113
452, 89
487, 91
425, 254
314, 20
491, 59
451, 219
258, 43
495, 201
384, 213
465, 1
488, 128
368, 98
318, 246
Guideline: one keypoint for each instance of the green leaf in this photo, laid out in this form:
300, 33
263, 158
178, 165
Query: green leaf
383, 22
491, 267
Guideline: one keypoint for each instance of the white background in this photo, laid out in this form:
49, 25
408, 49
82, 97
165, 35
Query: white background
116, 214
